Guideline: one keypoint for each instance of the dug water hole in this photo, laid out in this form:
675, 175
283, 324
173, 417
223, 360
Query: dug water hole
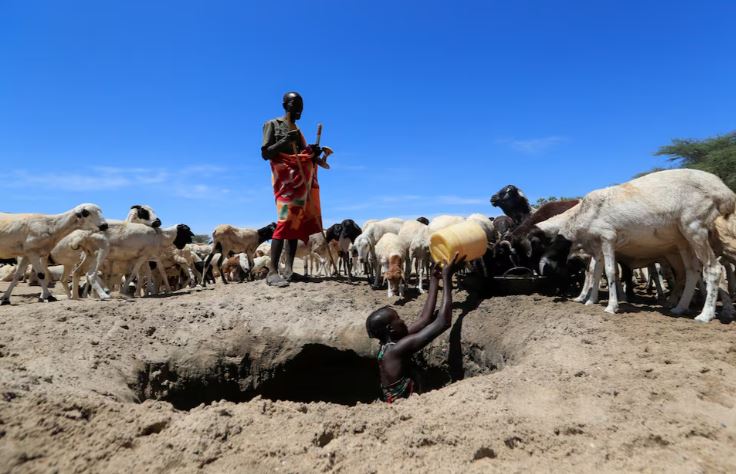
301, 373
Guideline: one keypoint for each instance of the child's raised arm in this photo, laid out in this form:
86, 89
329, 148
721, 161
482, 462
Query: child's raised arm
414, 342
427, 315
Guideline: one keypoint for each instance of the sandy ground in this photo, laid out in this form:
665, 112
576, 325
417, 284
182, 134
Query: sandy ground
562, 386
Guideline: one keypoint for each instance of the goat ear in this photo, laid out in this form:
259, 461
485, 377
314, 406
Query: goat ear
136, 206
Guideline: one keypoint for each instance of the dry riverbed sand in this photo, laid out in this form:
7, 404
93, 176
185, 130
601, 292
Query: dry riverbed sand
539, 384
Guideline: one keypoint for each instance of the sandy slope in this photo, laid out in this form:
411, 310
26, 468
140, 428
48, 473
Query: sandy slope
575, 388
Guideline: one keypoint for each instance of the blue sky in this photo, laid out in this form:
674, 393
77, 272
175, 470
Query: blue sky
431, 106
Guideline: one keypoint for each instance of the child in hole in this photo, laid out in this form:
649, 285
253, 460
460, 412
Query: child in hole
399, 342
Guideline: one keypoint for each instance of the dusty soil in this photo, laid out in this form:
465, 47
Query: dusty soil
541, 385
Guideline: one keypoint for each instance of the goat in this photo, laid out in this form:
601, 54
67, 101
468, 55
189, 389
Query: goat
345, 234
372, 233
659, 213
80, 249
528, 249
132, 245
391, 251
513, 203
32, 237
440, 222
227, 238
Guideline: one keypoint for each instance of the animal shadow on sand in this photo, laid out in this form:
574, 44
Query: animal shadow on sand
649, 304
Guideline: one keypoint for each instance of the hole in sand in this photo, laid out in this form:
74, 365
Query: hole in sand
316, 372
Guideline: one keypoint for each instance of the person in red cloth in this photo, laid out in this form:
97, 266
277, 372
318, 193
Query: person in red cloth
295, 186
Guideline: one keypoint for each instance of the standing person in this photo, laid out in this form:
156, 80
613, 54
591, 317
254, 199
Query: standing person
295, 186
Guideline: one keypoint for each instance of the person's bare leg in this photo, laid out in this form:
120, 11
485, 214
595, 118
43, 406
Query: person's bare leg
273, 278
289, 270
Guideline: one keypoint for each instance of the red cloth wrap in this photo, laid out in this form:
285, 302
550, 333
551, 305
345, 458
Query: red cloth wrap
296, 191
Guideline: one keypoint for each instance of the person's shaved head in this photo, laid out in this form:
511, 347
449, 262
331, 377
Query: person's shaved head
385, 323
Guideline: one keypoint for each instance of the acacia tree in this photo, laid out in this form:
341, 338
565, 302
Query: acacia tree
716, 155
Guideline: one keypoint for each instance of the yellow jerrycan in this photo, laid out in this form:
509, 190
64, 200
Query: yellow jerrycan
467, 238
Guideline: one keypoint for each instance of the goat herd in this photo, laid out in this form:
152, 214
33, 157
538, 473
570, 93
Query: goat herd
676, 226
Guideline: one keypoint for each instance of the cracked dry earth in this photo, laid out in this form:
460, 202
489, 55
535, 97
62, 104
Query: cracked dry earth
228, 380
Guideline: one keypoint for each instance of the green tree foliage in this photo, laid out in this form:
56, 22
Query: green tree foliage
543, 200
716, 155
201, 238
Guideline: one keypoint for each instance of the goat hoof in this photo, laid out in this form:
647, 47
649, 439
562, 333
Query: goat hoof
51, 298
704, 318
4, 302
679, 311
611, 309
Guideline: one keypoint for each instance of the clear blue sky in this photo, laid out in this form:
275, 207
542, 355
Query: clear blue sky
431, 106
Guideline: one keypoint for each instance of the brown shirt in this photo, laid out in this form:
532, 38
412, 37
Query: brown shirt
274, 131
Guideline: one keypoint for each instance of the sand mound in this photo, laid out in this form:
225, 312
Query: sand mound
247, 378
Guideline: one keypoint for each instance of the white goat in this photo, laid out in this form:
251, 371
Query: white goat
655, 215
373, 233
132, 245
410, 232
32, 237
80, 249
440, 222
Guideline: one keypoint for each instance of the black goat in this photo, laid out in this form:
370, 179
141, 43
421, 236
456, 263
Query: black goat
512, 202
534, 250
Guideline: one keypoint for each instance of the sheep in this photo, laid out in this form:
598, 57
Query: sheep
513, 203
410, 232
303, 252
33, 236
78, 250
362, 248
227, 238
391, 250
313, 253
260, 266
440, 222
486, 224
132, 245
180, 261
373, 233
651, 216
236, 267
200, 250
322, 251
263, 249
354, 258
140, 213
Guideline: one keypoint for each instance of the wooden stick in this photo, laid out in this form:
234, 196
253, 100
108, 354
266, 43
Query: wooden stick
308, 186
